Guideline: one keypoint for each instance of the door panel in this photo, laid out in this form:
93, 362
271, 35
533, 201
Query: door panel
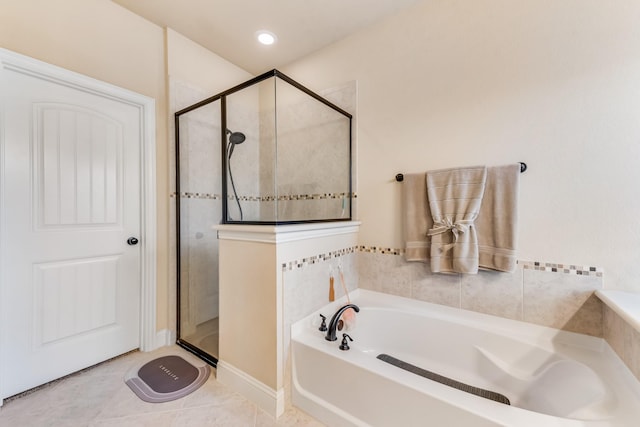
71, 290
78, 155
73, 298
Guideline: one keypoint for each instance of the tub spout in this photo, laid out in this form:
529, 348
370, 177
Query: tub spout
333, 324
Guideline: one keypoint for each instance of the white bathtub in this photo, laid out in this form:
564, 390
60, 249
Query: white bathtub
551, 378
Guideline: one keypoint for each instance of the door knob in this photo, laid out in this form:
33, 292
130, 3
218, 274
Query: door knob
132, 241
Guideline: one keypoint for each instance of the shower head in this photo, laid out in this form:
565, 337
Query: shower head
236, 137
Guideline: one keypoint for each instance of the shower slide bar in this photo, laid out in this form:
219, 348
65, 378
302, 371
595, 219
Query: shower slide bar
523, 167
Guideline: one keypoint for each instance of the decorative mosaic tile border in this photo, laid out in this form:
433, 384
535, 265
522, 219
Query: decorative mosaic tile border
336, 254
285, 198
292, 265
197, 196
528, 265
292, 197
562, 268
377, 250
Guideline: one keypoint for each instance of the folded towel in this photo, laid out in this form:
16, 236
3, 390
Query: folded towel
417, 217
455, 197
497, 222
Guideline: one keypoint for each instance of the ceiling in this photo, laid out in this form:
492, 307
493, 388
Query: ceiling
228, 27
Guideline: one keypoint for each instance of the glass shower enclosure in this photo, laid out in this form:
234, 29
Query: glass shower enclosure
266, 152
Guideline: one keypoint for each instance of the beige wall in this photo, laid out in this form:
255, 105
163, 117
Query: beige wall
102, 40
553, 84
191, 63
248, 316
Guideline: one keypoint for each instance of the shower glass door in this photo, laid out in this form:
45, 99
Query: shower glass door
199, 207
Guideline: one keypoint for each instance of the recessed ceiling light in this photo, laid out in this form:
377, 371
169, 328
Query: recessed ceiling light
266, 37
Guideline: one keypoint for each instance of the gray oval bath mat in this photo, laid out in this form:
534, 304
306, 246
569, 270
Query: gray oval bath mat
166, 378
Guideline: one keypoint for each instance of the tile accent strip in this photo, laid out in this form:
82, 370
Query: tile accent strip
286, 198
197, 196
527, 265
377, 250
292, 265
292, 197
562, 268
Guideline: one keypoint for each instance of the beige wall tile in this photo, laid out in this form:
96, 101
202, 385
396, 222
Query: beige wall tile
613, 330
384, 273
635, 352
495, 293
306, 289
563, 301
631, 348
436, 288
623, 338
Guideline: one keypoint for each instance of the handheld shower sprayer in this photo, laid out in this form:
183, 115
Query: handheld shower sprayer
234, 138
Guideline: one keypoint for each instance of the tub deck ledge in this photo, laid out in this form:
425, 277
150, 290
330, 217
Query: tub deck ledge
625, 304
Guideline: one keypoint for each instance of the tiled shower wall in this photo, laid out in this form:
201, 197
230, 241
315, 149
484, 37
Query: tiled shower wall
306, 175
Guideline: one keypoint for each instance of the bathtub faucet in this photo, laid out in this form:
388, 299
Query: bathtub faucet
333, 324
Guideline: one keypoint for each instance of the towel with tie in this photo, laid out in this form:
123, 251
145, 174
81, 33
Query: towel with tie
455, 196
495, 226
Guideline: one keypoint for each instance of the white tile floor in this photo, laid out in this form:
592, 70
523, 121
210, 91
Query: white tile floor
99, 397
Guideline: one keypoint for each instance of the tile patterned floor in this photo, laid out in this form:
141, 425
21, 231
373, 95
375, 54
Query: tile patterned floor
99, 397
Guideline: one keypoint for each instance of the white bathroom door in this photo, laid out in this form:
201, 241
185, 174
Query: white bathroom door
71, 200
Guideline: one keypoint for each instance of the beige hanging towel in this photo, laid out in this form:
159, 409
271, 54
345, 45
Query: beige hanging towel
416, 217
497, 222
455, 197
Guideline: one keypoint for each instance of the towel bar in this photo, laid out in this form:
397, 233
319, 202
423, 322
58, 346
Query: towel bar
523, 167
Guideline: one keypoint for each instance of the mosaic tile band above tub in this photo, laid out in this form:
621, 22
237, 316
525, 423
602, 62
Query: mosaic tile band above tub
527, 265
379, 250
562, 268
286, 198
292, 265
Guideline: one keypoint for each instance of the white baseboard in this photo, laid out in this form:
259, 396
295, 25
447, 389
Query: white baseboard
268, 399
164, 338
